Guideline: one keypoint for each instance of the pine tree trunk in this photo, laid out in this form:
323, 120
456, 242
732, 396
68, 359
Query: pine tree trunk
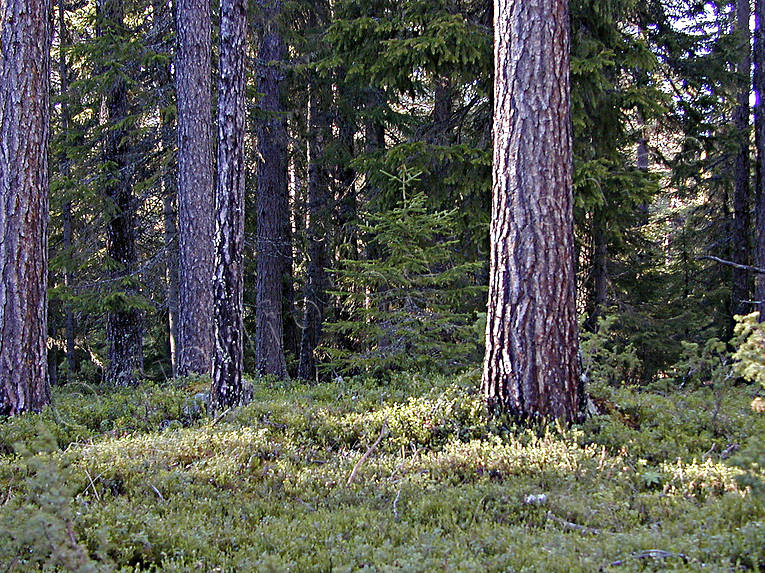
70, 327
442, 111
345, 198
598, 280
530, 366
163, 20
741, 219
227, 386
63, 72
318, 204
642, 161
374, 139
170, 216
759, 125
124, 325
24, 124
195, 188
273, 241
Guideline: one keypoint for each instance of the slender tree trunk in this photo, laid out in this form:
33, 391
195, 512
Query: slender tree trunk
374, 137
318, 206
124, 324
741, 219
195, 187
24, 124
598, 280
345, 175
227, 386
442, 111
759, 124
63, 72
530, 367
273, 241
162, 14
170, 216
69, 321
642, 148
642, 164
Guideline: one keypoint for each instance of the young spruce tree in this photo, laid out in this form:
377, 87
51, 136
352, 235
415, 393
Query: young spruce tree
402, 305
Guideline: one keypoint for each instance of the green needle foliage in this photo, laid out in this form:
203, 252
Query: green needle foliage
402, 306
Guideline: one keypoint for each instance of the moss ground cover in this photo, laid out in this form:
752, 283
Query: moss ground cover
146, 480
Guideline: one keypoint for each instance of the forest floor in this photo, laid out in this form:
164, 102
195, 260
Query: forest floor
358, 476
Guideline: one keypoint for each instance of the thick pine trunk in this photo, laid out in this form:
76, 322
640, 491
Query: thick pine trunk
530, 366
759, 132
124, 324
273, 238
195, 188
317, 215
741, 219
227, 385
24, 123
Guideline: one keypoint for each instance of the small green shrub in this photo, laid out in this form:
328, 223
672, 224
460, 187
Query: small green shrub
750, 351
605, 358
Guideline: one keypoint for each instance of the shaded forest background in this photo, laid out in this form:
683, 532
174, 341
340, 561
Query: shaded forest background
385, 165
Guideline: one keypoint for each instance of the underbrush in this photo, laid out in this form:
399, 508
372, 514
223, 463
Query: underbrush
353, 476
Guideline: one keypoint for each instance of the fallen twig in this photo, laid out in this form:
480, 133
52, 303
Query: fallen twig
652, 553
219, 417
10, 490
370, 449
93, 484
395, 505
305, 503
570, 525
277, 425
159, 493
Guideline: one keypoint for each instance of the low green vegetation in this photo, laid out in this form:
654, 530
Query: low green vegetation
406, 476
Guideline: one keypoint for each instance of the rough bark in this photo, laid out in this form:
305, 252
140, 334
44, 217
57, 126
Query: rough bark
24, 131
162, 14
317, 215
759, 132
530, 366
741, 219
227, 385
63, 72
273, 240
195, 188
124, 322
